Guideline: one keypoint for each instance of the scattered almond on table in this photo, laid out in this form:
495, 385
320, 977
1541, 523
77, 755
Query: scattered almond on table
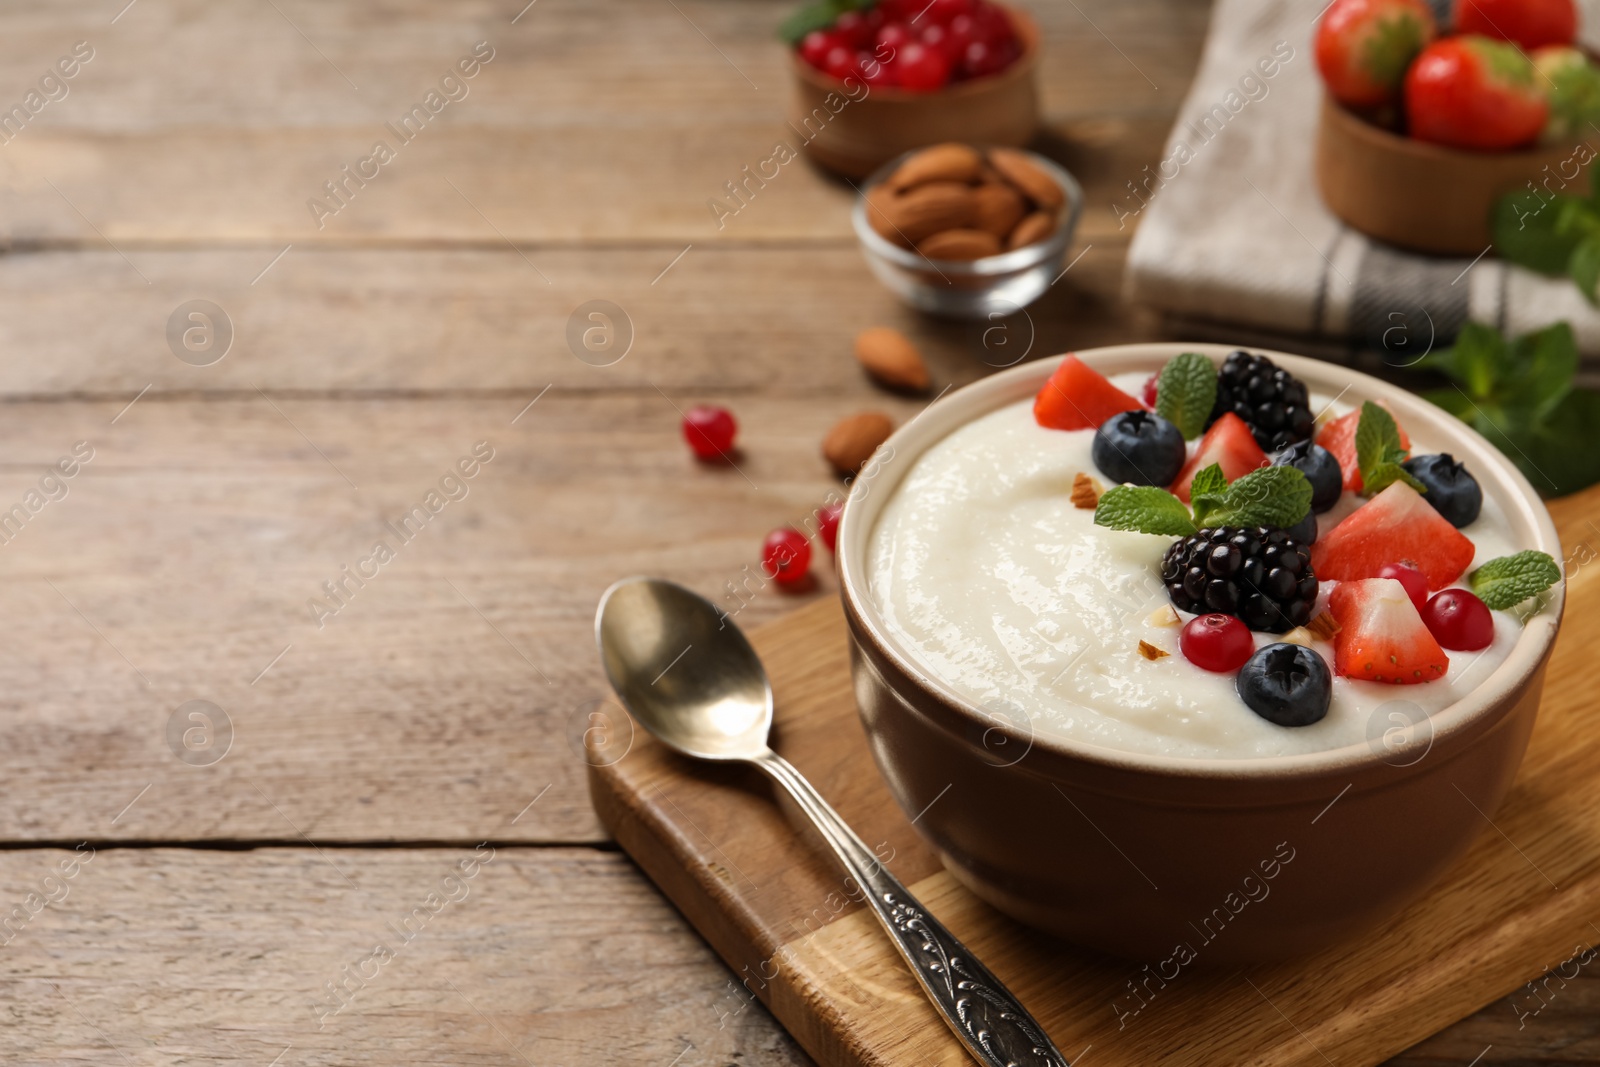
953, 202
892, 360
854, 439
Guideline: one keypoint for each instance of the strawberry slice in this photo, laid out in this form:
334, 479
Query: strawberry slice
1230, 443
1381, 636
1078, 397
1396, 526
1339, 437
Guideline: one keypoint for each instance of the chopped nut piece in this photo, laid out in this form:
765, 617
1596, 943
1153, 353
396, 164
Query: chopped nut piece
1164, 616
1299, 636
1324, 626
1149, 651
1085, 492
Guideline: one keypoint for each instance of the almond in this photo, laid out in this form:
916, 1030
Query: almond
1085, 492
1151, 652
1026, 175
959, 243
1324, 626
997, 208
1031, 230
1164, 616
940, 163
1299, 636
909, 217
892, 360
854, 439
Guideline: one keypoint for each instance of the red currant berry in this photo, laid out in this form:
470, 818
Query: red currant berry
828, 524
981, 59
1459, 621
839, 63
1148, 393
786, 555
1219, 643
922, 69
942, 11
815, 46
893, 37
937, 37
1408, 575
873, 72
852, 29
709, 431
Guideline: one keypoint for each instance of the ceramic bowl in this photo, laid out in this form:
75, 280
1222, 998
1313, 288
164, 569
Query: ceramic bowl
875, 125
986, 288
1136, 854
1427, 197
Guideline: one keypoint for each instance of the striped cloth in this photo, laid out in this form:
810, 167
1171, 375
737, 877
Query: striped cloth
1231, 229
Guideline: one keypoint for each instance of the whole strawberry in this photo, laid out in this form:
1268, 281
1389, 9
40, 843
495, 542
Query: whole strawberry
1529, 23
1364, 47
1471, 92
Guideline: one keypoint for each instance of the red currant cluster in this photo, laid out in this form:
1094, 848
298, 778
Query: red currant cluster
915, 45
786, 552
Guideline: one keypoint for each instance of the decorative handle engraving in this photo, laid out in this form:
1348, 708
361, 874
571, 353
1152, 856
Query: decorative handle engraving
989, 1020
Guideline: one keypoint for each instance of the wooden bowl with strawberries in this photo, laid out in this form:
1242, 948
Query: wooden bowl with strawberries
1425, 128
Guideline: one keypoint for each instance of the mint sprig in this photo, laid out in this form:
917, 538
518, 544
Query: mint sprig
1186, 392
1275, 497
1519, 393
1379, 451
1505, 582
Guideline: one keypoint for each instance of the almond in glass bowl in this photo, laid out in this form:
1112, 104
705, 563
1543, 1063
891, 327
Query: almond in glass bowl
967, 232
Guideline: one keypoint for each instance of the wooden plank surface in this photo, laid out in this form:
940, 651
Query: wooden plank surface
382, 345
1523, 898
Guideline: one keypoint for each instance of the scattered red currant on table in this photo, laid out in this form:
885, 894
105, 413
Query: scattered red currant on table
786, 555
828, 524
709, 431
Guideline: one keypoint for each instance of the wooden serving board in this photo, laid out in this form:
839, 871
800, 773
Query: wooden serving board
760, 890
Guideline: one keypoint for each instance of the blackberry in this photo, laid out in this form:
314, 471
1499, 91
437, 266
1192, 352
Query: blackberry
1271, 401
1263, 577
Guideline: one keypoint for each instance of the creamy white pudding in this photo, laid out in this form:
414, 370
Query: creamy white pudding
996, 584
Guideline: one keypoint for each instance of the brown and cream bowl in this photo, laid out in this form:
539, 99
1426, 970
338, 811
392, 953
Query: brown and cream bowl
1159, 856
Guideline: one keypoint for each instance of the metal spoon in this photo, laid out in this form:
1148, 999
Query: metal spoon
686, 673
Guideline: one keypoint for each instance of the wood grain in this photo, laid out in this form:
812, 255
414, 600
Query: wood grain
154, 957
595, 121
1512, 909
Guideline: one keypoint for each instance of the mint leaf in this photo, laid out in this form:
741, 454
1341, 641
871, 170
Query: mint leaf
1509, 580
1143, 509
1543, 364
1186, 393
1380, 477
1270, 496
817, 15
1379, 452
1584, 266
1525, 230
1479, 360
1209, 482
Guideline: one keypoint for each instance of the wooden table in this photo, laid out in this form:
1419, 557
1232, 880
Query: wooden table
398, 766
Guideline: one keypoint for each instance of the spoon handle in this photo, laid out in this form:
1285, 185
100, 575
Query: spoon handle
988, 1019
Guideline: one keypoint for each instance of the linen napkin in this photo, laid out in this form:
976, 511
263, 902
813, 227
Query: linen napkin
1231, 227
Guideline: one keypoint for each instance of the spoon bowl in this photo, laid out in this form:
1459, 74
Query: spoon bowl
685, 672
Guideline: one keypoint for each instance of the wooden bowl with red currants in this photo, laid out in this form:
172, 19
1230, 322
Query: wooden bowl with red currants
1425, 127
876, 78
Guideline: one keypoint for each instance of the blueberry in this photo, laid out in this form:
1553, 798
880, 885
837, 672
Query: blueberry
1304, 531
1452, 490
1139, 447
1320, 469
1286, 684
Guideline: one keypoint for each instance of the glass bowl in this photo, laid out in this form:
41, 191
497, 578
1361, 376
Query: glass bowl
976, 288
